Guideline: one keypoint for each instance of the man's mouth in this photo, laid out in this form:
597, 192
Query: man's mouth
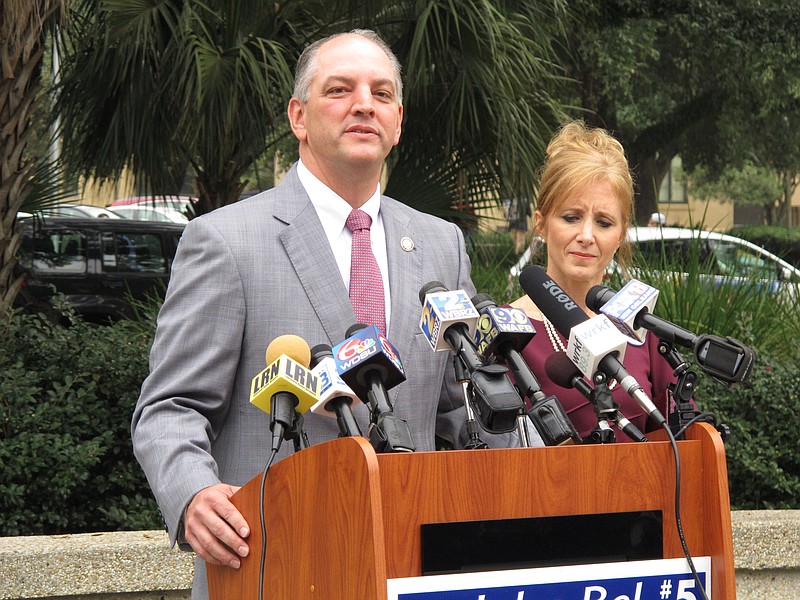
362, 129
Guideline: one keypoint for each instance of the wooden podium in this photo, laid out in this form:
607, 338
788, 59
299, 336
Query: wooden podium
341, 520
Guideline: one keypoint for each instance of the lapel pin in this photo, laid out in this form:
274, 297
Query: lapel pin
407, 244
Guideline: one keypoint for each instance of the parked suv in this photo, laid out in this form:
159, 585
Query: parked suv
98, 264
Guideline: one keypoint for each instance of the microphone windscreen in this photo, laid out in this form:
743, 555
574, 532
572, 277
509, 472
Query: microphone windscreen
561, 370
353, 329
292, 346
555, 303
597, 296
431, 286
481, 301
318, 353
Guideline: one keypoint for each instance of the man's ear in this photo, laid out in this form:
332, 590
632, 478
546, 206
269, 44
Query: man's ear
399, 129
297, 118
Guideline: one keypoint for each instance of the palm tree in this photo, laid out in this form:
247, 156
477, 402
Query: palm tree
206, 85
25, 26
182, 83
479, 103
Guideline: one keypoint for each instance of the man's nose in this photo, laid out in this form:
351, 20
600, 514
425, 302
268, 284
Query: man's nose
363, 102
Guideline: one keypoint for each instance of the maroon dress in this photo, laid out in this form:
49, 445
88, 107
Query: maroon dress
643, 362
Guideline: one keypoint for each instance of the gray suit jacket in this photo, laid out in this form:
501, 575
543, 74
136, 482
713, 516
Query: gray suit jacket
243, 275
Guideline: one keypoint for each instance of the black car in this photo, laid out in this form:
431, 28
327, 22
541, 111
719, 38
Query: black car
98, 264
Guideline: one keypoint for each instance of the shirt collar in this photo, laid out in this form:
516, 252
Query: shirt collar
331, 208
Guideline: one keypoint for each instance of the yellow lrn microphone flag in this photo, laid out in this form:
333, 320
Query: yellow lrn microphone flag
287, 357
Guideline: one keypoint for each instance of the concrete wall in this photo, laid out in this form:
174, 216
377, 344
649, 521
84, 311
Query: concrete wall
139, 565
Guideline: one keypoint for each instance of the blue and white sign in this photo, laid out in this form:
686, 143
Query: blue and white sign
667, 579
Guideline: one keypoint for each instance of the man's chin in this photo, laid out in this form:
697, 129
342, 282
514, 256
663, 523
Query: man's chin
367, 157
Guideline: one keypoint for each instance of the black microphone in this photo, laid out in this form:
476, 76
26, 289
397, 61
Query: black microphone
724, 358
445, 323
335, 396
369, 364
563, 372
565, 314
505, 331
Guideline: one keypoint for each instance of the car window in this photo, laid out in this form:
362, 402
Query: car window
675, 255
735, 259
125, 252
58, 252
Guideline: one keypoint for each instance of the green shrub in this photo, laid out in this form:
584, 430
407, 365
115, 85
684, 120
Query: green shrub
492, 255
763, 452
66, 399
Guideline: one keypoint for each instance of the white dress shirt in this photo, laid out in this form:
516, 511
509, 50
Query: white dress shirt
333, 211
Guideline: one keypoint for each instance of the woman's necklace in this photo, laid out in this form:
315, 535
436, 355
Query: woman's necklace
558, 345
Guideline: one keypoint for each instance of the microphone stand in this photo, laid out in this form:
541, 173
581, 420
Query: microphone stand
297, 434
604, 408
608, 410
682, 390
475, 442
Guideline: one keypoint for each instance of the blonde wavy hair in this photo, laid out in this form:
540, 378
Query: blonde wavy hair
579, 155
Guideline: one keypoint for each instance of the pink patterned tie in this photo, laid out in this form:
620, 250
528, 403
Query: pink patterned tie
366, 283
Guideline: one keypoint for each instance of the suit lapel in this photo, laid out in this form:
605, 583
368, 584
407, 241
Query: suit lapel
405, 272
312, 259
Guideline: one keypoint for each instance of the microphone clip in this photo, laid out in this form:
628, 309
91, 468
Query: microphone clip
605, 408
608, 412
389, 433
475, 442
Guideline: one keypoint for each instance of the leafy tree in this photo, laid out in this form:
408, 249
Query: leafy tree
750, 184
680, 78
479, 106
158, 85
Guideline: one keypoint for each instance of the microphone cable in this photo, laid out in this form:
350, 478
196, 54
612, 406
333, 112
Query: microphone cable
678, 524
262, 523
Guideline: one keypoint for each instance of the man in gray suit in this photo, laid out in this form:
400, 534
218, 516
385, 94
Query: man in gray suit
278, 263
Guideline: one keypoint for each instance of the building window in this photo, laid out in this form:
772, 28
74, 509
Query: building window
672, 190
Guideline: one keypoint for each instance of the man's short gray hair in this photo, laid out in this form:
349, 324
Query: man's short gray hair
306, 67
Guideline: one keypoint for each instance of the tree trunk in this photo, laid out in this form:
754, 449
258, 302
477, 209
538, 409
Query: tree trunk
649, 173
21, 51
789, 182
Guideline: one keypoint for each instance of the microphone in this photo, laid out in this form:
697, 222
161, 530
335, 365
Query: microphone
448, 322
505, 331
623, 306
369, 364
565, 314
726, 358
335, 397
285, 388
563, 372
